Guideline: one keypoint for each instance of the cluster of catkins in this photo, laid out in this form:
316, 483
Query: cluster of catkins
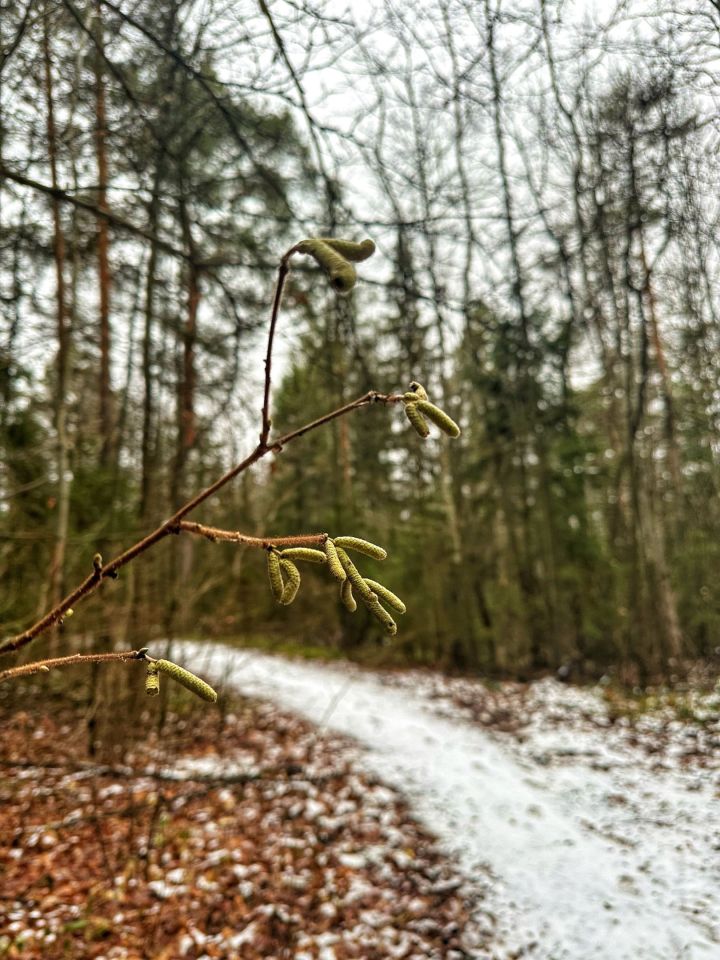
419, 410
285, 577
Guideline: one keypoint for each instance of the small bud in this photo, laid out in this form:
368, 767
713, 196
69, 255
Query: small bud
341, 272
152, 680
292, 583
274, 574
187, 679
97, 562
336, 568
439, 418
361, 546
387, 595
418, 391
304, 553
69, 612
346, 595
417, 420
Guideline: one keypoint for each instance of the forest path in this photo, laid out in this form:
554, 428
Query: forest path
583, 847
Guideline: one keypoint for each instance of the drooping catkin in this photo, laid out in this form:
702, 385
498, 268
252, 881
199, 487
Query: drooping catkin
336, 568
274, 574
187, 679
292, 582
341, 272
304, 553
355, 577
152, 680
346, 595
387, 595
351, 250
361, 546
379, 611
438, 417
417, 419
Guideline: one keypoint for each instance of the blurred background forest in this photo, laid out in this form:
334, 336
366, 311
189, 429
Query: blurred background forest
541, 179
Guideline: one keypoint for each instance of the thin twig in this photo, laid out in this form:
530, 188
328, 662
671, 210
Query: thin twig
283, 271
235, 536
73, 660
372, 396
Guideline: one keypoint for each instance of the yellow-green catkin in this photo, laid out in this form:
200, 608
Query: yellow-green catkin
355, 577
304, 553
351, 250
439, 418
292, 582
361, 546
346, 595
379, 611
274, 574
387, 595
187, 679
341, 272
336, 568
417, 419
152, 680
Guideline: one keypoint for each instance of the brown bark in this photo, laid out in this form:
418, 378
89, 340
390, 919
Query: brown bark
106, 426
62, 331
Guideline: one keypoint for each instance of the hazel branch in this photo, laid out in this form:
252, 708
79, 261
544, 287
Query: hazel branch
170, 526
335, 257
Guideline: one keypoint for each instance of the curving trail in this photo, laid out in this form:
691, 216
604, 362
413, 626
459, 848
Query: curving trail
582, 850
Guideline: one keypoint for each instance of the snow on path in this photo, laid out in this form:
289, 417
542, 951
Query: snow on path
577, 860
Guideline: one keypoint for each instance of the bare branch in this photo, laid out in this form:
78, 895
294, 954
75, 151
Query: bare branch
76, 659
235, 536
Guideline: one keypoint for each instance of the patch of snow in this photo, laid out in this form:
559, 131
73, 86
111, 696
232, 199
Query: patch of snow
584, 848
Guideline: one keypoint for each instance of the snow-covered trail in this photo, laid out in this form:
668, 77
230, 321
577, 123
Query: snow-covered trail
606, 860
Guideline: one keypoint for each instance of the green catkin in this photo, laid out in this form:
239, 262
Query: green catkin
356, 252
336, 568
418, 391
187, 679
417, 419
304, 553
439, 418
361, 546
292, 583
379, 611
341, 272
356, 578
387, 595
152, 680
274, 574
346, 595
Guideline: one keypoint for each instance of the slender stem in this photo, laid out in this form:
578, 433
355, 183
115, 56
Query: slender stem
43, 666
283, 271
372, 396
235, 536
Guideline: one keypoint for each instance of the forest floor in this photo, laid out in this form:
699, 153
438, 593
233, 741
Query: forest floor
588, 828
351, 813
241, 833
